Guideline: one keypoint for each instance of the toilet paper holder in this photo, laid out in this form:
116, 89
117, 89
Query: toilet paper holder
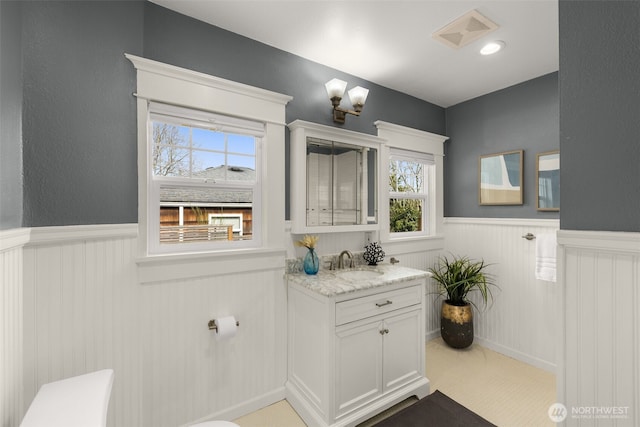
214, 327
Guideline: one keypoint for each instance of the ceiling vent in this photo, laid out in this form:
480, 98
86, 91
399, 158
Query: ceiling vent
469, 27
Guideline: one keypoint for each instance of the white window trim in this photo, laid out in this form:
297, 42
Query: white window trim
409, 139
167, 84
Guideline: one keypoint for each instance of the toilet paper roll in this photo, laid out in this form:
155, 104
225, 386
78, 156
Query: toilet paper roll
227, 328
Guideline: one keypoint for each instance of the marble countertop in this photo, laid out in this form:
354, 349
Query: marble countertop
331, 283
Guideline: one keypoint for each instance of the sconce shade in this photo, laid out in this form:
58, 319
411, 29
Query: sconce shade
358, 96
335, 88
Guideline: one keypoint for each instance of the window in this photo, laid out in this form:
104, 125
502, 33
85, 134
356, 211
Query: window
204, 179
219, 148
414, 167
410, 180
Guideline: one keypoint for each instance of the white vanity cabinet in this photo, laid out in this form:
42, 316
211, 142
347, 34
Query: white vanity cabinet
352, 355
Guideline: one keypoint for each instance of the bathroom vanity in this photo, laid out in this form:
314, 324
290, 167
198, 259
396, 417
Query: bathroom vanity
356, 342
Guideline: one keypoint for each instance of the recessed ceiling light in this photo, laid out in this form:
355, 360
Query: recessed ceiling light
492, 47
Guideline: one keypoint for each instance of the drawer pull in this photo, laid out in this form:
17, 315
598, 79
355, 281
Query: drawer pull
382, 304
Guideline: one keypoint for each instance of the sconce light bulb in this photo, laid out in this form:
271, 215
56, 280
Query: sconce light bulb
335, 88
358, 96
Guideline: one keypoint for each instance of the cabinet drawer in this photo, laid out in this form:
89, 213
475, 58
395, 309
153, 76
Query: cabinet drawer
372, 305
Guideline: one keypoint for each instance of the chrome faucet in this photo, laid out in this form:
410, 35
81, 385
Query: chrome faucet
341, 260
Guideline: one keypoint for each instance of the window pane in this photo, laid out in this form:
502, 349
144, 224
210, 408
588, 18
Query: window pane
405, 215
242, 161
169, 134
207, 139
207, 164
170, 150
171, 161
189, 215
241, 144
406, 176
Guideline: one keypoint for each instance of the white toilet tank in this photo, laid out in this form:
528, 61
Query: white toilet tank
80, 401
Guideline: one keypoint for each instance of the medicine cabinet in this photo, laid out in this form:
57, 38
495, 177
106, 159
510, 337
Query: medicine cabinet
334, 179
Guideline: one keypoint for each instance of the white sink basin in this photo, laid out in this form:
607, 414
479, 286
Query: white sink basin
359, 274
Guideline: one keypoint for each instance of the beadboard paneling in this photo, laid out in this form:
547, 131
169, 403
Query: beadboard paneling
11, 329
600, 346
84, 310
523, 320
81, 311
188, 373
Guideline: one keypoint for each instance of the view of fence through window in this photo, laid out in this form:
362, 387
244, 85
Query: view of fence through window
407, 195
206, 182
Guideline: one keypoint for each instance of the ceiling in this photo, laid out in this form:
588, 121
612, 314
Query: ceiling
390, 42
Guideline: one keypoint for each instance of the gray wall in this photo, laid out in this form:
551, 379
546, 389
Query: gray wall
79, 127
10, 116
215, 51
521, 117
600, 115
79, 131
79, 120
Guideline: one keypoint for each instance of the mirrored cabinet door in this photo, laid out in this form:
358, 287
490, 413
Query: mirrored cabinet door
333, 179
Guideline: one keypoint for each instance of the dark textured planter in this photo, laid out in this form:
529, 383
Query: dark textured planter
456, 325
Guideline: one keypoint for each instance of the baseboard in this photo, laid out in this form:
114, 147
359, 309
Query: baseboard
419, 388
304, 409
244, 408
538, 363
431, 335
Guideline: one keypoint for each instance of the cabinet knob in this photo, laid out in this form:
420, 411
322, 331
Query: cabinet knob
384, 331
382, 304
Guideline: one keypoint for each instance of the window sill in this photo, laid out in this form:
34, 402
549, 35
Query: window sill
415, 243
160, 268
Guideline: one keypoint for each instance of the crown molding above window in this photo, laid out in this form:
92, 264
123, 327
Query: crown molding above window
174, 85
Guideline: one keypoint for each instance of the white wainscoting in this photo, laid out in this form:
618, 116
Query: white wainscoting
85, 309
523, 321
599, 350
11, 329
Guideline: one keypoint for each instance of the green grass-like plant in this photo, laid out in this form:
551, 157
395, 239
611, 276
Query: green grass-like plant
458, 276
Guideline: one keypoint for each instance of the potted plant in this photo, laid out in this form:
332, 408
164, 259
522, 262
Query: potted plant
456, 278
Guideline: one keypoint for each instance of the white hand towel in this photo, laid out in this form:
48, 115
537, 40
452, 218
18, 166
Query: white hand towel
546, 257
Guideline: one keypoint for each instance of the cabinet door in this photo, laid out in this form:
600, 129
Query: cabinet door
403, 349
358, 374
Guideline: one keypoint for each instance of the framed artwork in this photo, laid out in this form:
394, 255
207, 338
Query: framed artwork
500, 178
548, 179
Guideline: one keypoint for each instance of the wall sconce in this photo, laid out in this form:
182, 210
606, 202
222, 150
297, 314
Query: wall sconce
357, 95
